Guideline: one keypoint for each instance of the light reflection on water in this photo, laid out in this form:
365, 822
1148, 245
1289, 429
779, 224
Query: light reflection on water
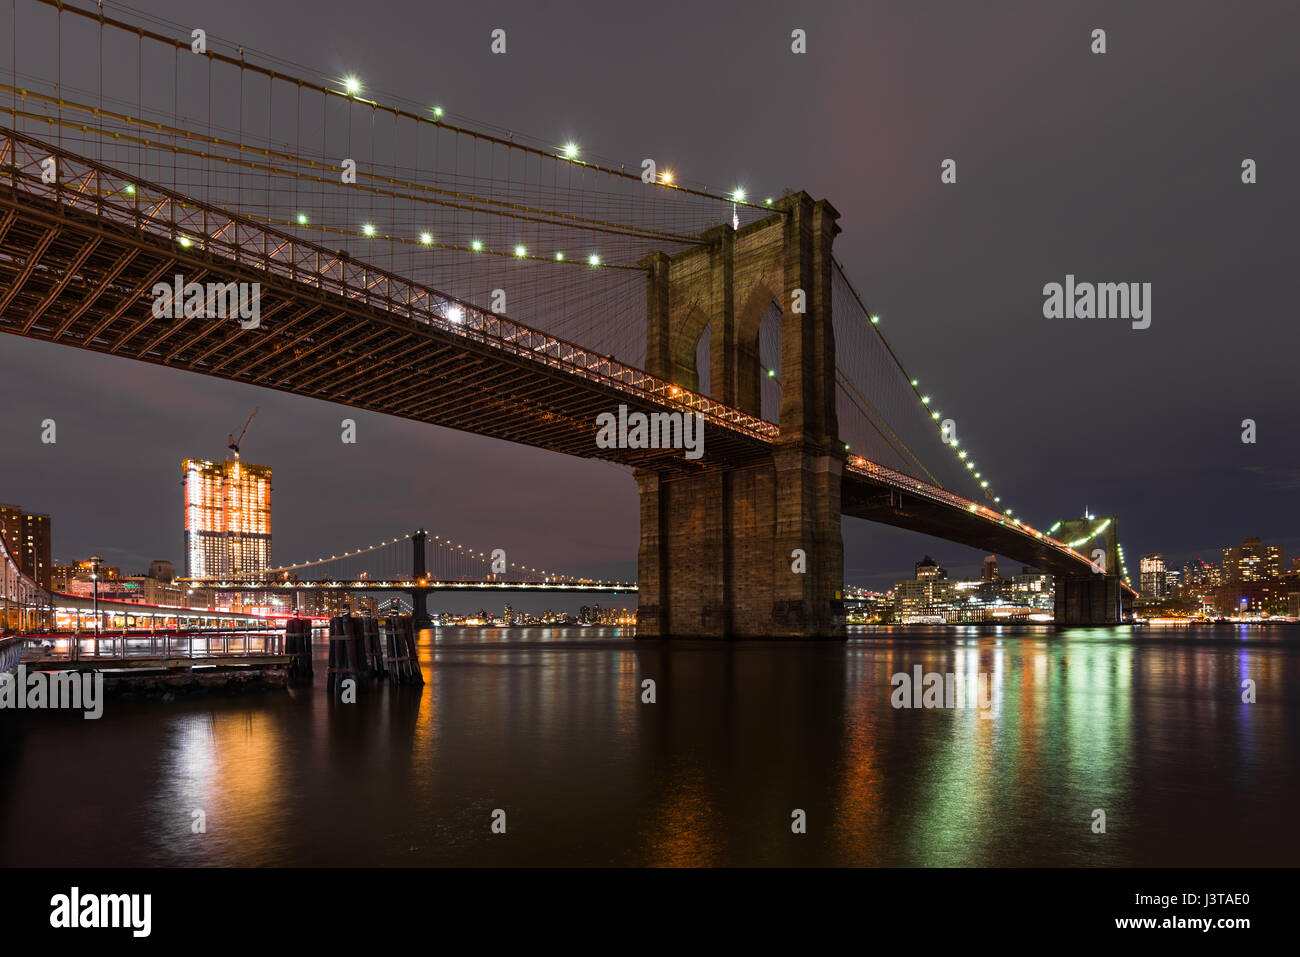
548, 725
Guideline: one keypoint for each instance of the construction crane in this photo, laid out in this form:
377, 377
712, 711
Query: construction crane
234, 443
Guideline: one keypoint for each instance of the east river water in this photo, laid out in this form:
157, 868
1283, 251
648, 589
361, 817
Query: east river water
549, 726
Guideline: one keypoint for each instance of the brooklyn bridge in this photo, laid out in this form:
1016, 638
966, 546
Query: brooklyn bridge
448, 273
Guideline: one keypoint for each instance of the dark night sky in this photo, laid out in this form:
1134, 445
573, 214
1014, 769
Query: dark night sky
1122, 167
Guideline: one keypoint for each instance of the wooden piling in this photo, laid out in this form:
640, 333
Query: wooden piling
401, 657
373, 650
297, 644
343, 660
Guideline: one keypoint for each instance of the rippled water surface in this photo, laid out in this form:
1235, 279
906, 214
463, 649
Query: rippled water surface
549, 726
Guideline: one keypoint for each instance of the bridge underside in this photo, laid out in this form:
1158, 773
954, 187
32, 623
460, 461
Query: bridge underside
70, 277
888, 506
1081, 597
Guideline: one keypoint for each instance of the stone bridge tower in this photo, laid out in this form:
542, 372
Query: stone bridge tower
1092, 599
754, 550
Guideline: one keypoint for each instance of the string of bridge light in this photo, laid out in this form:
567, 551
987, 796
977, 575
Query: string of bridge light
570, 152
367, 230
350, 87
439, 540
925, 400
448, 199
335, 558
428, 240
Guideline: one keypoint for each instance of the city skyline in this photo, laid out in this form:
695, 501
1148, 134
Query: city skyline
214, 474
1261, 561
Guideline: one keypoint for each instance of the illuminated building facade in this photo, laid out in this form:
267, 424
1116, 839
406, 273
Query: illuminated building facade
227, 518
1252, 561
927, 568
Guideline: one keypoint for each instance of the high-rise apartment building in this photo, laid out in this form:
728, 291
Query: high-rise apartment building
1274, 561
27, 536
227, 518
1153, 576
35, 559
1252, 561
1173, 582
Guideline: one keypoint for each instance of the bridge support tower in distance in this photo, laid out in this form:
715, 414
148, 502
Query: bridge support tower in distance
419, 575
752, 550
1097, 598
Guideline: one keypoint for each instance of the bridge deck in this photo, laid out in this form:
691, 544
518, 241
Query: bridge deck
78, 262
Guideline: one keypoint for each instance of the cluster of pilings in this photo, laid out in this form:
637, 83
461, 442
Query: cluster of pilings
373, 648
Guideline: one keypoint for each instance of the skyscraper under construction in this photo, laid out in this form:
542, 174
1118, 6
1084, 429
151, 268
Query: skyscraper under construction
227, 518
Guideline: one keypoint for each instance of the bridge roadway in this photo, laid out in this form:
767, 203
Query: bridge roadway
79, 258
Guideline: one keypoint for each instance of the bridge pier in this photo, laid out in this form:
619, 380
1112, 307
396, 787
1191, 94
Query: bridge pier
744, 553
754, 550
419, 573
420, 609
1090, 600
